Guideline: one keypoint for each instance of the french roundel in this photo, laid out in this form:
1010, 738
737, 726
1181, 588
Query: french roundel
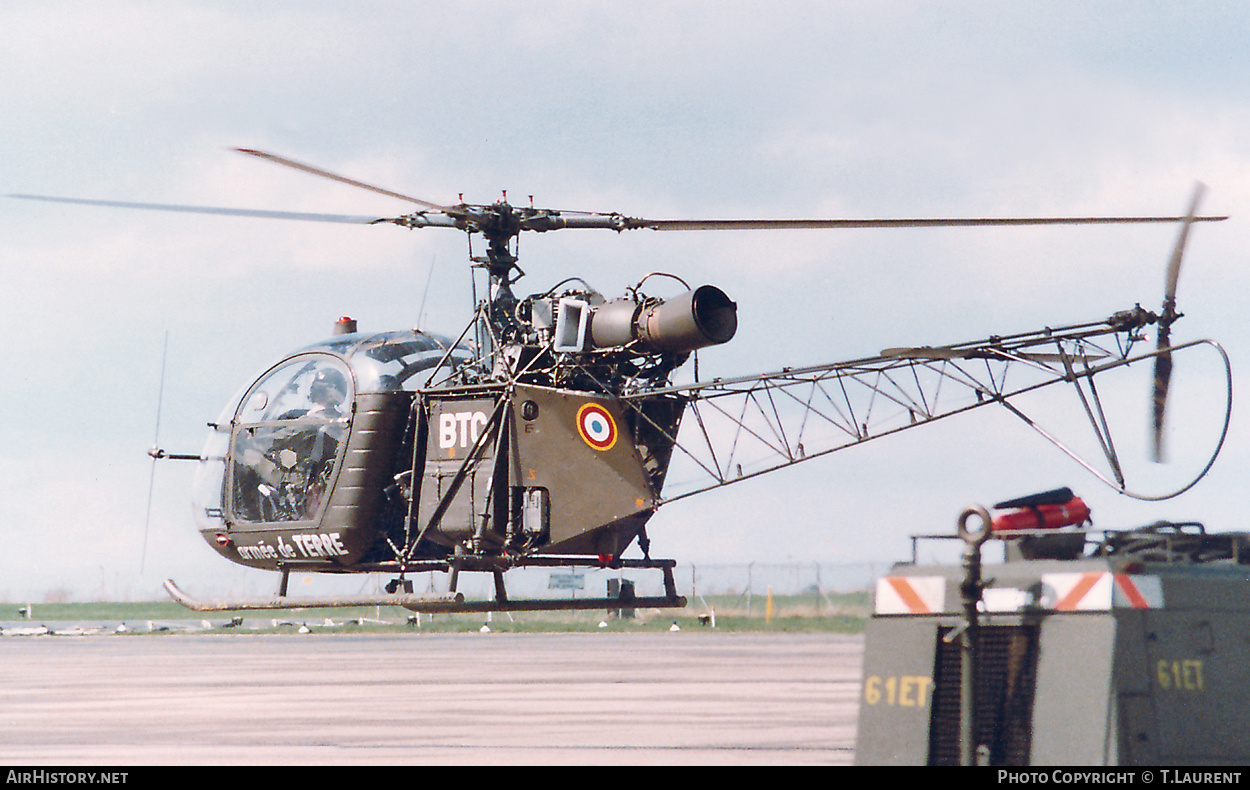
596, 426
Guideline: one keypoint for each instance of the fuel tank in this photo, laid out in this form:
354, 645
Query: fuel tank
578, 472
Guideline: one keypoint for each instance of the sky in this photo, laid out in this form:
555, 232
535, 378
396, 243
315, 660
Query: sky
658, 109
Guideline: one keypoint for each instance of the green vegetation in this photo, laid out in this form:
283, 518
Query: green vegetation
828, 612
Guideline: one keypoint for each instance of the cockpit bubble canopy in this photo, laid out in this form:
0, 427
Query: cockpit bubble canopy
281, 436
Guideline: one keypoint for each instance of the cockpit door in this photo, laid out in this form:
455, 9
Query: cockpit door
287, 441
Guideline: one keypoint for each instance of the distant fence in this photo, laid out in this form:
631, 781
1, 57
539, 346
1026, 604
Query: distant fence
746, 581
781, 578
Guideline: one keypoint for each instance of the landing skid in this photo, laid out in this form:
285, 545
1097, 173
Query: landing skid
406, 600
450, 602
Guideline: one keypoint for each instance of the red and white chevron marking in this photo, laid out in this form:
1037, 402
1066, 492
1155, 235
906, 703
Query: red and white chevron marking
1100, 591
910, 594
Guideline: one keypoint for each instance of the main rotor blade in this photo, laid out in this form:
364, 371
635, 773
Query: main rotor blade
630, 223
281, 160
1163, 362
233, 212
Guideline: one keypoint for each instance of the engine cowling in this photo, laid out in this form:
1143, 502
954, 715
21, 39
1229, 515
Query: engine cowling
696, 319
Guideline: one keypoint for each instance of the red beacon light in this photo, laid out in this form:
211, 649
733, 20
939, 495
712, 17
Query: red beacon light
1047, 510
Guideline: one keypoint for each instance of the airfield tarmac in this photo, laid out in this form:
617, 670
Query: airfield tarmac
668, 698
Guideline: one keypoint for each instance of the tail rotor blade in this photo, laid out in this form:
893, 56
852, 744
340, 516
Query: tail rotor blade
1163, 378
1163, 362
1178, 252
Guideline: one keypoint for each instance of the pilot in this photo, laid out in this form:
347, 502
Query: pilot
328, 391
294, 471
326, 394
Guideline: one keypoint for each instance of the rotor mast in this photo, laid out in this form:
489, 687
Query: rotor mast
500, 224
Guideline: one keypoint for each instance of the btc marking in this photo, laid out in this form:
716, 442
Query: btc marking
460, 429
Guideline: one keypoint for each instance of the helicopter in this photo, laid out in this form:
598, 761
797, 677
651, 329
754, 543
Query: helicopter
542, 435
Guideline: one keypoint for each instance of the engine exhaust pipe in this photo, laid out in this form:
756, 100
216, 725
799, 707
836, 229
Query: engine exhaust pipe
696, 319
